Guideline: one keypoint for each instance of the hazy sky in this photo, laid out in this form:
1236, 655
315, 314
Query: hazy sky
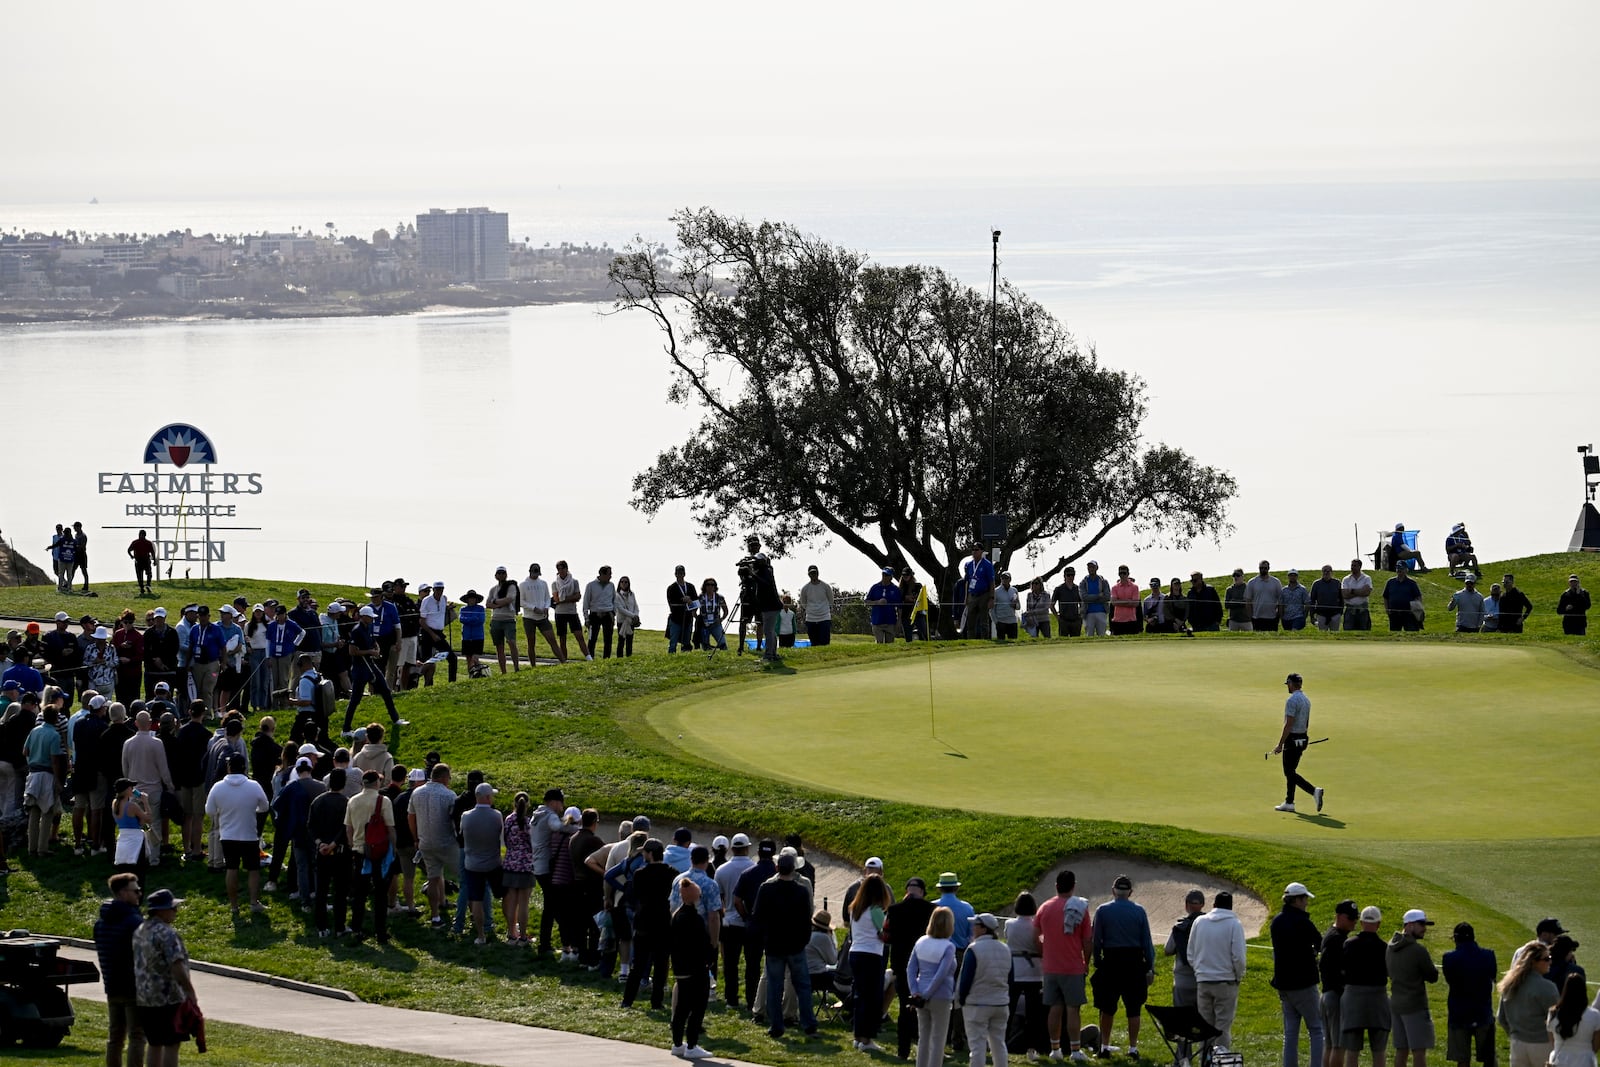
187, 99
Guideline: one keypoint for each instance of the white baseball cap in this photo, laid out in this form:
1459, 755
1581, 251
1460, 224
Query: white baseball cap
1297, 889
367, 612
740, 840
159, 613
873, 864
1416, 915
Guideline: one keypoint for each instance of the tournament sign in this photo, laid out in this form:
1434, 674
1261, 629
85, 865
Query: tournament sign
182, 488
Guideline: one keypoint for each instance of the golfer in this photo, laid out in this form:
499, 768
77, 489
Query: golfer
1292, 742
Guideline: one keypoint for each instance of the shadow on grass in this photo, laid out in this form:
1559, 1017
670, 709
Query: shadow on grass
1322, 820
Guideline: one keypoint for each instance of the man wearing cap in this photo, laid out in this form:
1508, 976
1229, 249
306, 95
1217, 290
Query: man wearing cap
734, 929
1264, 593
983, 990
978, 576
648, 892
160, 653
744, 902
1096, 593
284, 638
88, 790
1330, 969
306, 616
1066, 938
504, 602
1410, 970
1066, 600
588, 887
1294, 601
1470, 972
366, 668
1357, 590
1293, 741
1327, 601
905, 922
233, 805
27, 679
434, 614
782, 913
1467, 603
1458, 548
409, 626
816, 608
883, 600
1005, 608
291, 809
534, 593
1399, 551
1237, 604
374, 854
161, 978
129, 645
1364, 1008
680, 625
206, 645
1216, 952
1295, 949
1124, 960
1183, 988
1573, 607
1515, 607
61, 648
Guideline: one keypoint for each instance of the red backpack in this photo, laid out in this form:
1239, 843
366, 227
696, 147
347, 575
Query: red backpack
377, 834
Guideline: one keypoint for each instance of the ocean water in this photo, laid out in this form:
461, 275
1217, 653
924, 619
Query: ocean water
1355, 355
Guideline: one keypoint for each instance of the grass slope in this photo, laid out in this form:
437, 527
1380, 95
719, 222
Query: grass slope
586, 728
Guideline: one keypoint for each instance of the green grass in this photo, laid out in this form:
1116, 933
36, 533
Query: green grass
1418, 744
588, 728
227, 1045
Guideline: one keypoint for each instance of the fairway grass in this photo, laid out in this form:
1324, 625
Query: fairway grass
1427, 741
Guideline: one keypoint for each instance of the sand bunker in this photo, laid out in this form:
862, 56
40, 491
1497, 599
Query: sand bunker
1159, 887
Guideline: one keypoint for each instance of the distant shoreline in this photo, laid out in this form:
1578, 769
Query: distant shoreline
156, 309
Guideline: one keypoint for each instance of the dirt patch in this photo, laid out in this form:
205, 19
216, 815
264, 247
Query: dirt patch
1158, 887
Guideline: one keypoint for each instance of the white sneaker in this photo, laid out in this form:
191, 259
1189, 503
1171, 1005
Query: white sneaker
1056, 1056
695, 1052
1284, 807
1080, 1056
270, 887
678, 1050
869, 1046
1033, 1057
590, 659
1317, 792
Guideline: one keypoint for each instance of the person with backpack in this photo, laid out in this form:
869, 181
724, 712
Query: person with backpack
369, 825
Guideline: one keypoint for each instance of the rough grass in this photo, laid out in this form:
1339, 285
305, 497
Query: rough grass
585, 728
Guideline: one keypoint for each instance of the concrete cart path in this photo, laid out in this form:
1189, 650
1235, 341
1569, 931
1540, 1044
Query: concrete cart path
428, 1033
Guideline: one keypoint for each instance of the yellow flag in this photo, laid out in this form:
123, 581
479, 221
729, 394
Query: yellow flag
922, 600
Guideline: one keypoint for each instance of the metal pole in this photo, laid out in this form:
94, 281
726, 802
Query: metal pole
994, 353
366, 554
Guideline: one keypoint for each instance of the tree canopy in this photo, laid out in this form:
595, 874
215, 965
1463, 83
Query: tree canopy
843, 399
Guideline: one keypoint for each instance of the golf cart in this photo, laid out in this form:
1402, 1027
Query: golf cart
34, 1008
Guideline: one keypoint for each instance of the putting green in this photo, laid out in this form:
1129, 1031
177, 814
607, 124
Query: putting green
1428, 742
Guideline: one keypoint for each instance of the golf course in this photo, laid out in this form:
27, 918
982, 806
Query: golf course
1446, 770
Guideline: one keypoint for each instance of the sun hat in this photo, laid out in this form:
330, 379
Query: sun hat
948, 880
1297, 889
1416, 915
821, 920
1371, 914
161, 900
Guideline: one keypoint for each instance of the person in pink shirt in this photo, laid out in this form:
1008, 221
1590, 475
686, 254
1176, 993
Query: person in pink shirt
1124, 604
1064, 933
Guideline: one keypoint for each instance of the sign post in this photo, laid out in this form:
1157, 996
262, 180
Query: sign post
180, 446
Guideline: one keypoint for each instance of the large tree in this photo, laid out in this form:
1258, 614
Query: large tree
867, 403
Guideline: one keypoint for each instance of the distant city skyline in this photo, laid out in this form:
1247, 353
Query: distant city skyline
195, 101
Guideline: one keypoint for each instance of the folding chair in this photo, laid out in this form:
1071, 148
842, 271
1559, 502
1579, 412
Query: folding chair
1181, 1028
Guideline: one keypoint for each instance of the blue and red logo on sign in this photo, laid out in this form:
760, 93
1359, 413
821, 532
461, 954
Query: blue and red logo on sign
179, 444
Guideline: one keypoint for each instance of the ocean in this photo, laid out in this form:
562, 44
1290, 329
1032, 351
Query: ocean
1355, 355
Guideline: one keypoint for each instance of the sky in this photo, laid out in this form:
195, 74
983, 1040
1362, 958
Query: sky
183, 100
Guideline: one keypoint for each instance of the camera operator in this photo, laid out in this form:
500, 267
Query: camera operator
758, 597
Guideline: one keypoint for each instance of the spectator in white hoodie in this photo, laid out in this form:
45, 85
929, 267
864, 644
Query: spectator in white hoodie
1216, 952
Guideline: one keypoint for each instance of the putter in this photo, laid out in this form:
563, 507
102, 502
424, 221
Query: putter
1318, 741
